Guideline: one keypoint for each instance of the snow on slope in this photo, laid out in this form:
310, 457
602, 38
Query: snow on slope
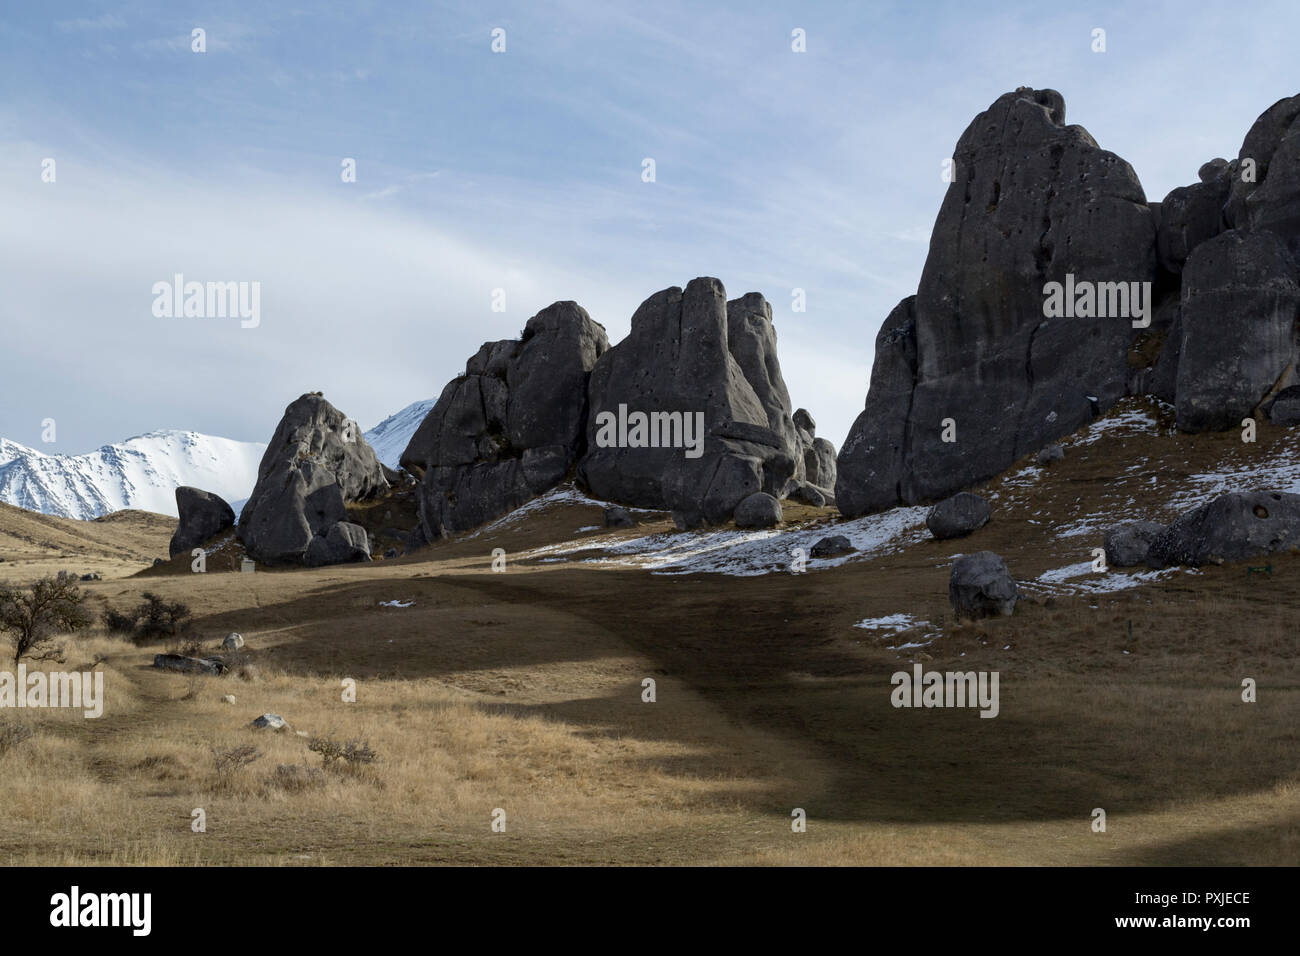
142, 473
390, 437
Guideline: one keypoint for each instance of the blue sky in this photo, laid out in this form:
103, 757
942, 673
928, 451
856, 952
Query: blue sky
521, 170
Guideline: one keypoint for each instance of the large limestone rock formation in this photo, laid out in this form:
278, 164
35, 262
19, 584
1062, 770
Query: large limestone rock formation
511, 427
202, 515
972, 356
1237, 328
693, 356
317, 461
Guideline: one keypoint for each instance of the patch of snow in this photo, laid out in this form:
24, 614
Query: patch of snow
891, 623
396, 603
749, 553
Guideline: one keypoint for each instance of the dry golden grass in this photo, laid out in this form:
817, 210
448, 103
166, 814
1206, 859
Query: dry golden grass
522, 691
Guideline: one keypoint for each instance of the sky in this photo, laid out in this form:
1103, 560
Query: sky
521, 171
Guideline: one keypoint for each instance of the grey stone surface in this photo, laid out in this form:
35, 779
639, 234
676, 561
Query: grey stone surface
1232, 527
202, 515
1285, 407
1240, 299
1128, 544
832, 546
315, 463
691, 351
1033, 201
511, 427
982, 586
759, 510
958, 516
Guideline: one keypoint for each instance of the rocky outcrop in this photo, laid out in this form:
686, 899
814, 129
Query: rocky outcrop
317, 462
718, 424
981, 586
818, 453
202, 515
344, 542
511, 427
1235, 237
972, 373
1240, 300
1232, 527
979, 368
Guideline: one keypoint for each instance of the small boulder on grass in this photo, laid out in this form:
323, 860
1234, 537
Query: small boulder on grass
616, 517
211, 666
1051, 454
233, 642
271, 722
958, 516
1128, 544
832, 546
759, 510
981, 586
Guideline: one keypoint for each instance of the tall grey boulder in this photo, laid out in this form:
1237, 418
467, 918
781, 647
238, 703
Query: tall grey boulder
1033, 201
316, 462
1255, 164
818, 453
692, 353
202, 515
1240, 301
511, 427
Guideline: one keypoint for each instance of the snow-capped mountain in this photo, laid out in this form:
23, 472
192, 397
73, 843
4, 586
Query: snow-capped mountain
142, 473
390, 437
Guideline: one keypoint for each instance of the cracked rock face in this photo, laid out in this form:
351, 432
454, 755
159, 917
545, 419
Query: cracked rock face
202, 515
692, 352
1240, 299
511, 427
316, 462
972, 356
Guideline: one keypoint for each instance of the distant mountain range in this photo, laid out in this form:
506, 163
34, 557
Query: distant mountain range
144, 472
390, 437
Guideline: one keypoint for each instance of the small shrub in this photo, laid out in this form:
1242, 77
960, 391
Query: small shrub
151, 619
33, 616
227, 763
355, 754
115, 622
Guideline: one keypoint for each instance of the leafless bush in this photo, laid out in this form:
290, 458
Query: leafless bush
355, 754
227, 763
33, 616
